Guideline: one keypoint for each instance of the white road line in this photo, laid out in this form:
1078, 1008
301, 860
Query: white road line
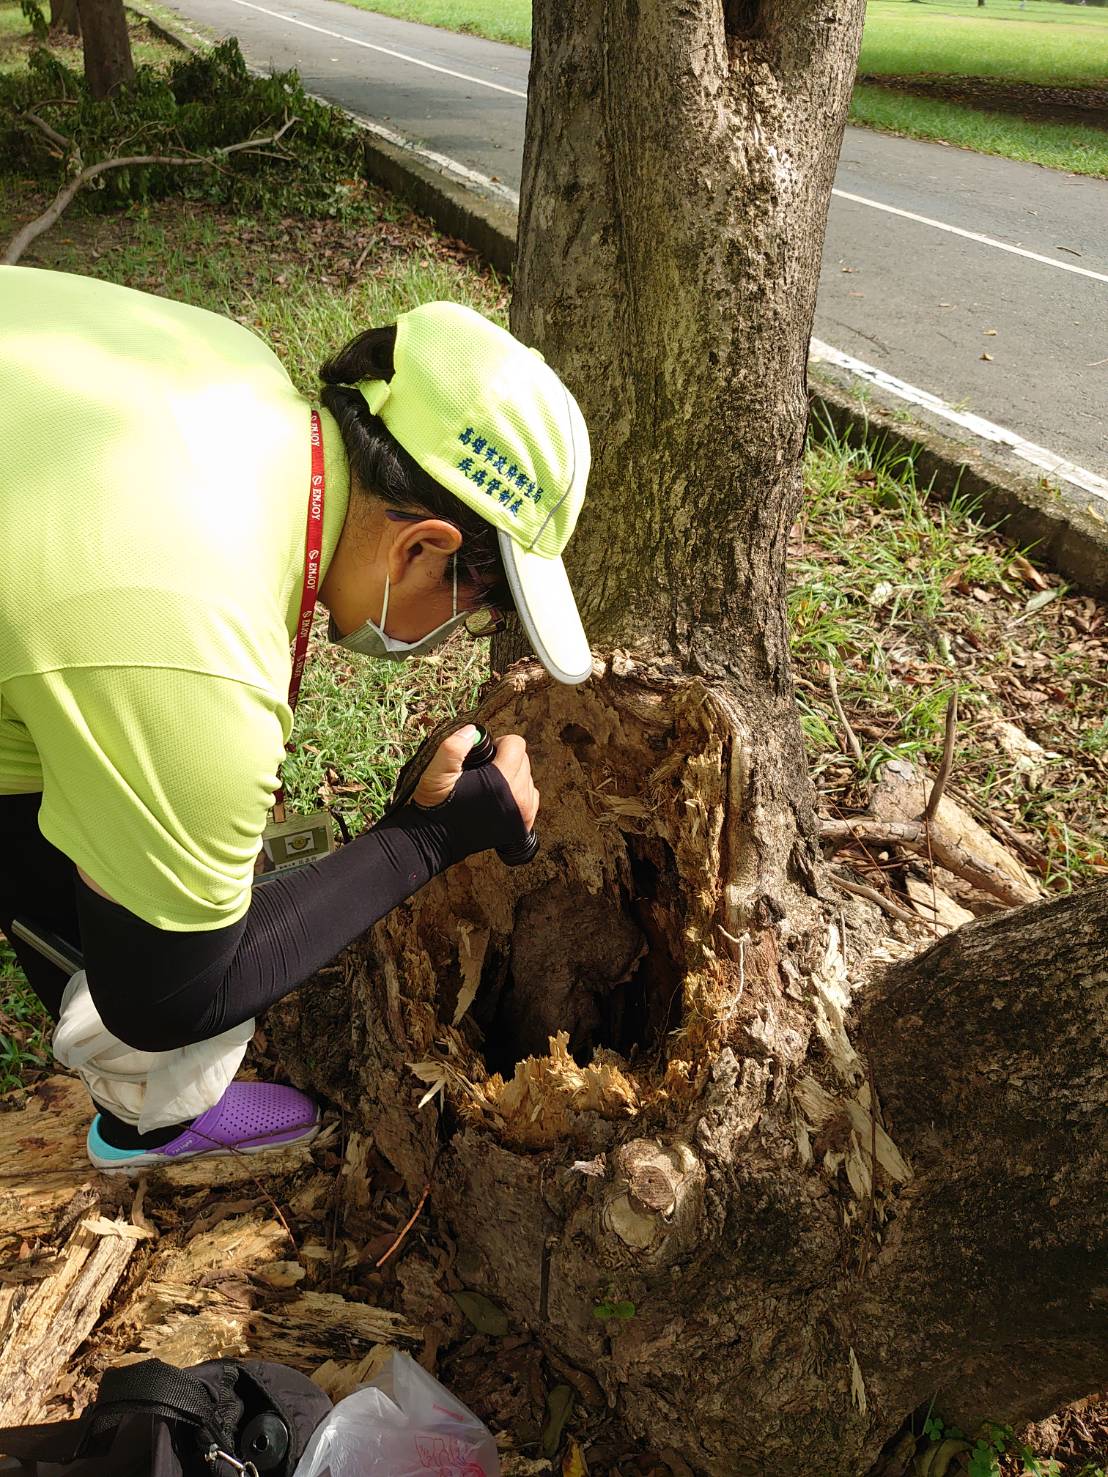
926, 220
1047, 461
386, 50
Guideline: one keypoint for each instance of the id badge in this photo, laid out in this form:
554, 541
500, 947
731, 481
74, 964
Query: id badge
296, 840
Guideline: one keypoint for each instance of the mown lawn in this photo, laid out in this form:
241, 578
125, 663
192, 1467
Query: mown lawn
1068, 146
1062, 45
1052, 45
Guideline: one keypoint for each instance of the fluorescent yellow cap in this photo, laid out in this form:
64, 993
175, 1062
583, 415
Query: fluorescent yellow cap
491, 422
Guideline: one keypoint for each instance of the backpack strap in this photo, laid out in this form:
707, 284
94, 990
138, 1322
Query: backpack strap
160, 1389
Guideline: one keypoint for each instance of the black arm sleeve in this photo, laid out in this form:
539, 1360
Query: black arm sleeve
157, 990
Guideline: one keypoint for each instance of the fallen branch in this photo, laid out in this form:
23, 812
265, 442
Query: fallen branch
952, 839
877, 833
859, 889
59, 140
64, 197
1032, 853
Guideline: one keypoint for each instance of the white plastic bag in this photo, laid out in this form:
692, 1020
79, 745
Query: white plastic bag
403, 1424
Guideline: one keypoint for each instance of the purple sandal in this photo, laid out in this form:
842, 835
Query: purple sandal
249, 1117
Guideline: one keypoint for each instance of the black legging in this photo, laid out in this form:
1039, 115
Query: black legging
156, 989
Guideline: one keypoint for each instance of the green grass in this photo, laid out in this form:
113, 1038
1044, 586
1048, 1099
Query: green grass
24, 1049
908, 597
1063, 45
1056, 45
1056, 145
497, 20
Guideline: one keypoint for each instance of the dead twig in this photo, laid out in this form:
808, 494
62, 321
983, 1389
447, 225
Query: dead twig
947, 760
859, 889
64, 197
396, 1245
851, 736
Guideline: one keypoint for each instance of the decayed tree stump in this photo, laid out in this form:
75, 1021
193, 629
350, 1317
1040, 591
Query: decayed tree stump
697, 1142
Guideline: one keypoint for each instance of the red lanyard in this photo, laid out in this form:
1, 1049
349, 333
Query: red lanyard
313, 549
313, 546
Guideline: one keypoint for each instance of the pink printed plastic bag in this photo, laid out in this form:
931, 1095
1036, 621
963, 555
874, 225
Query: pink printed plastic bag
403, 1424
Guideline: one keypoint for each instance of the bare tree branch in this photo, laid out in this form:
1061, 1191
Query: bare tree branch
58, 139
61, 201
879, 832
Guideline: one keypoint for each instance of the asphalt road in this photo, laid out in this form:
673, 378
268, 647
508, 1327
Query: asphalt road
924, 300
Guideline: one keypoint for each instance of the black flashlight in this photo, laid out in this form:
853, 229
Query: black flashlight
482, 753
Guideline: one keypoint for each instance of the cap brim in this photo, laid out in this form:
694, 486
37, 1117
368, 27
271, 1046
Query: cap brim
545, 603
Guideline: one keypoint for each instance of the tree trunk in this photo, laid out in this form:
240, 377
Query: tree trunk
990, 1055
642, 1094
107, 45
65, 16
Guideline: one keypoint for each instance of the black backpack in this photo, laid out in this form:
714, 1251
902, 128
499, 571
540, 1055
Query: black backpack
226, 1418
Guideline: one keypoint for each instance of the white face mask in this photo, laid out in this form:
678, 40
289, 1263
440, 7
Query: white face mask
373, 640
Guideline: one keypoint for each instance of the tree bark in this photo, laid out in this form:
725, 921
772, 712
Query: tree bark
991, 1057
107, 45
640, 1089
65, 16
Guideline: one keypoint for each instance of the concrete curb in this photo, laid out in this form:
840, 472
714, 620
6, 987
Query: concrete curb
456, 207
189, 41
1063, 525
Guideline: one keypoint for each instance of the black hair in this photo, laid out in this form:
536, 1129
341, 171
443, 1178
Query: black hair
383, 469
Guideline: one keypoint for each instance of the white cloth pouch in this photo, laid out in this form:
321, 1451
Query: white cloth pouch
149, 1089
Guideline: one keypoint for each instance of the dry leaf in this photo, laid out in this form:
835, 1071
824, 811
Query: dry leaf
485, 1316
987, 357
559, 1406
1044, 597
573, 1463
1028, 573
